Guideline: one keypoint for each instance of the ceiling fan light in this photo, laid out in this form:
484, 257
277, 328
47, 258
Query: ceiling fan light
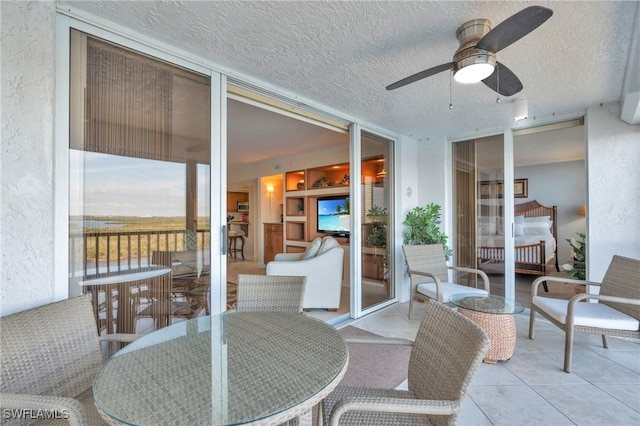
473, 73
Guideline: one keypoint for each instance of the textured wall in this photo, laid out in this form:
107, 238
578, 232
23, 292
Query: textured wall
26, 183
613, 167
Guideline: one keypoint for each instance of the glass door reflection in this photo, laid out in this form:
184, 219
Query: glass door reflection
376, 164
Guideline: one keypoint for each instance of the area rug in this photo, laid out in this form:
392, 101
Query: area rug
374, 366
232, 295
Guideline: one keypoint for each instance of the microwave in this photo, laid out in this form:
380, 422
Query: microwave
243, 206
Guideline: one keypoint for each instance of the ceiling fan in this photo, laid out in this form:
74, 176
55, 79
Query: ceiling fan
475, 59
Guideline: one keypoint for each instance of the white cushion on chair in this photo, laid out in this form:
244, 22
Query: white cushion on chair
313, 248
587, 314
448, 290
327, 244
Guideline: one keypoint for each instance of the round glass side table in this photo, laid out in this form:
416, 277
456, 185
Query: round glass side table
494, 314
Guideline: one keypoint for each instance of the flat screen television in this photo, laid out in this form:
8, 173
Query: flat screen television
333, 215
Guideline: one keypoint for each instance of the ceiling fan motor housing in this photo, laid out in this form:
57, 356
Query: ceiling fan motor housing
468, 35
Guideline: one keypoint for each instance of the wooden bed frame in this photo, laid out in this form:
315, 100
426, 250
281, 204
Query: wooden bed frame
532, 256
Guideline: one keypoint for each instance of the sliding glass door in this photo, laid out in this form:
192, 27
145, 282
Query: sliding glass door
139, 186
479, 202
376, 282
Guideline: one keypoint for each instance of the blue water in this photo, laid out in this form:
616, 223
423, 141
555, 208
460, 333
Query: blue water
100, 224
333, 223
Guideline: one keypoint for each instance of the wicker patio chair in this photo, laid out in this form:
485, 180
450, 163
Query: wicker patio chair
617, 312
50, 356
447, 351
428, 272
270, 293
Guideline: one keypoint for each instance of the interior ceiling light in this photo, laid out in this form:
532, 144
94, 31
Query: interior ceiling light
382, 174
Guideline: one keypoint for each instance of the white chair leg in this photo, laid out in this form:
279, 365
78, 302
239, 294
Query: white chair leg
532, 323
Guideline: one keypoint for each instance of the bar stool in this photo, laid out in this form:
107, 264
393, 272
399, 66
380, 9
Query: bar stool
232, 243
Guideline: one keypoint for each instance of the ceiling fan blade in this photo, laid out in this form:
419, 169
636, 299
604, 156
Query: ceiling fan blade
509, 83
514, 28
420, 75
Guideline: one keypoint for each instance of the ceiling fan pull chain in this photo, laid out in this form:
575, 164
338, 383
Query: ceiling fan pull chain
498, 83
450, 103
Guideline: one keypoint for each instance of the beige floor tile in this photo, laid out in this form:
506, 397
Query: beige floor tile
495, 374
577, 402
516, 405
627, 394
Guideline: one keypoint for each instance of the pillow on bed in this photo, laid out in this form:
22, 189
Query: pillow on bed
518, 219
488, 228
487, 219
537, 219
537, 228
518, 229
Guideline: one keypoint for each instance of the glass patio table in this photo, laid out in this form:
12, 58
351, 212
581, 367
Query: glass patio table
494, 314
228, 369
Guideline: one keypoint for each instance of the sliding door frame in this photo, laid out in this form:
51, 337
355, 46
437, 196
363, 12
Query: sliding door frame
64, 25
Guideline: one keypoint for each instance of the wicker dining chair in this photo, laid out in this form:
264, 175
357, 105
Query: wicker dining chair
281, 293
446, 353
429, 274
50, 356
617, 312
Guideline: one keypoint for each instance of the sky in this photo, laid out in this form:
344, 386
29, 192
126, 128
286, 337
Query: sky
112, 185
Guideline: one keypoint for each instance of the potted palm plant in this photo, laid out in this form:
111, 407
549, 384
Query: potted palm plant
422, 226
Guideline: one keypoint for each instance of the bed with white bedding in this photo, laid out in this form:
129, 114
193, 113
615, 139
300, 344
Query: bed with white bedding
535, 240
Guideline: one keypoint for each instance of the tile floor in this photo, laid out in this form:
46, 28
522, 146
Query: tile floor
531, 388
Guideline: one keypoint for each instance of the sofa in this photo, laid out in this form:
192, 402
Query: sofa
321, 263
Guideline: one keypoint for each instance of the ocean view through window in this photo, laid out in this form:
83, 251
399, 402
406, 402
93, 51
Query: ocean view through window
139, 182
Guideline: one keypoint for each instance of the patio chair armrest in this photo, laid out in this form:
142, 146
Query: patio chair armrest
425, 274
26, 406
536, 283
119, 337
393, 405
482, 274
430, 275
585, 296
379, 340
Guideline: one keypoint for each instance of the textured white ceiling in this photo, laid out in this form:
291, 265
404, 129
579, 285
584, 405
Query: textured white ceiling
343, 54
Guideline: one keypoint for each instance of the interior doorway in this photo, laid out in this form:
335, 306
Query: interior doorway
549, 190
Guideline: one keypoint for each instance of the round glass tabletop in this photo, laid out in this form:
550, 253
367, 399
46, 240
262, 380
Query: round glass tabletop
489, 304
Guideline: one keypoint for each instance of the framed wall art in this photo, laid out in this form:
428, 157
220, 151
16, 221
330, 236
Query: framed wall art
494, 188
520, 188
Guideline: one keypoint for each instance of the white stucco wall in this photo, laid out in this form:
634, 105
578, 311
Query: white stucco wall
613, 168
407, 197
26, 180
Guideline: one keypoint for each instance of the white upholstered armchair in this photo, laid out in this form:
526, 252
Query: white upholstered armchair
321, 263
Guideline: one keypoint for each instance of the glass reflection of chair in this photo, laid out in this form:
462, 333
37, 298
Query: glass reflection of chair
185, 279
282, 293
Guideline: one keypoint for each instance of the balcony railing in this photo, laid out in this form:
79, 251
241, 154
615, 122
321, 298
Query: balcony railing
95, 253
